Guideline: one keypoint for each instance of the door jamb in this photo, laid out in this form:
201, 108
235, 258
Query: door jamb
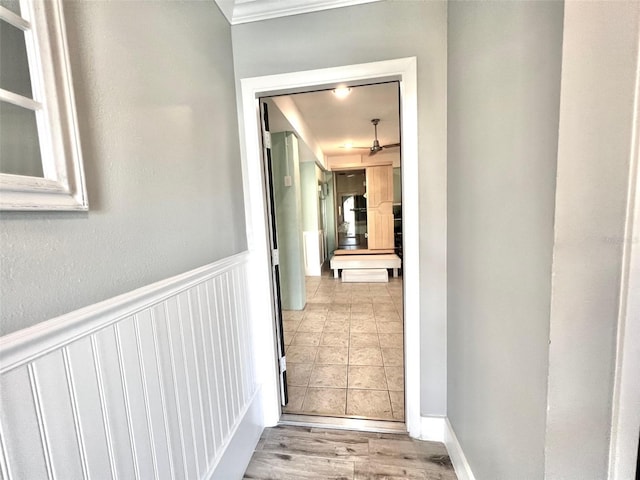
625, 418
402, 69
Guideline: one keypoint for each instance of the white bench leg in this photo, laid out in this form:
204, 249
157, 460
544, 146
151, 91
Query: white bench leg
335, 273
395, 273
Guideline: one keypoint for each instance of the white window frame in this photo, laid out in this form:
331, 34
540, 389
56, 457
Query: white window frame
63, 186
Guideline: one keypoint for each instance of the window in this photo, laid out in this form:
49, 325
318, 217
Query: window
40, 156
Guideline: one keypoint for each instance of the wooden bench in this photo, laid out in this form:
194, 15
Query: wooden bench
362, 262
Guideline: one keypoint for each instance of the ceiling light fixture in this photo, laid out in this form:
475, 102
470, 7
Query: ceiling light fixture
347, 145
341, 92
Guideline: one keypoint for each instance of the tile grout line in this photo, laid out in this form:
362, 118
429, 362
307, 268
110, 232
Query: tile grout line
329, 295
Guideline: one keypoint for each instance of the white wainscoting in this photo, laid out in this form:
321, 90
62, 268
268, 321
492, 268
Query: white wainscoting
154, 383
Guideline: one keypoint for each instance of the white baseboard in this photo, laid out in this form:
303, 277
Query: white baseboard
236, 456
432, 429
438, 429
457, 456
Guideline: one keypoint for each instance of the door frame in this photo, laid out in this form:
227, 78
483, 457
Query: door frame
625, 417
403, 70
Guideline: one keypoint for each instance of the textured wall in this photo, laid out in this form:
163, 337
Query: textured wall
156, 106
368, 33
503, 107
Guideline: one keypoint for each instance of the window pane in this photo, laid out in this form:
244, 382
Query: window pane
19, 145
14, 67
13, 5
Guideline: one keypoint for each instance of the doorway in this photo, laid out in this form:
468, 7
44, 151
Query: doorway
341, 339
403, 70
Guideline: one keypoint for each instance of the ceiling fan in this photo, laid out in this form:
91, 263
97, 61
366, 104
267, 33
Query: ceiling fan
376, 147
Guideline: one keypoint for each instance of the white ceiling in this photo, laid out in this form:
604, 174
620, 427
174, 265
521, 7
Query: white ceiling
334, 121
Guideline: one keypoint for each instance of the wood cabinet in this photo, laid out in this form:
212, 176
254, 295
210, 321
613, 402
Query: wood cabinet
380, 207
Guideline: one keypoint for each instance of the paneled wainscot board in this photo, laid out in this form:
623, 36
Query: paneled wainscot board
150, 384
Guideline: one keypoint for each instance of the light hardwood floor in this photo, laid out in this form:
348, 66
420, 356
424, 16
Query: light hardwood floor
299, 453
345, 350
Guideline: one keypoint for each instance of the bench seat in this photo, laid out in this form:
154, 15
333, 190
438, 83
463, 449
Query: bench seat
360, 262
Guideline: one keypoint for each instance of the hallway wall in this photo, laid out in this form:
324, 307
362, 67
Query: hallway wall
503, 108
158, 124
368, 33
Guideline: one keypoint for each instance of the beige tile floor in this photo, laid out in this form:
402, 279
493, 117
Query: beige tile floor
345, 350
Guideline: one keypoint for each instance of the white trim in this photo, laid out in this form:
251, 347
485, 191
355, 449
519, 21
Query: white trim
54, 104
14, 19
457, 456
19, 100
404, 69
432, 428
26, 345
625, 414
253, 11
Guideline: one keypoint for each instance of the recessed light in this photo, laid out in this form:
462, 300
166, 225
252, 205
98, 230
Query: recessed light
347, 145
341, 92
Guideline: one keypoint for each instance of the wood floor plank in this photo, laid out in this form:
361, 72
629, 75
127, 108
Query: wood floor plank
343, 447
290, 452
281, 466
429, 448
359, 434
379, 471
429, 456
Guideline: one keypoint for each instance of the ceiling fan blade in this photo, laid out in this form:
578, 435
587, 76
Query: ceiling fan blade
391, 145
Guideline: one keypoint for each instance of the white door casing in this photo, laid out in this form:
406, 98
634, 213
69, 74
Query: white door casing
404, 70
625, 416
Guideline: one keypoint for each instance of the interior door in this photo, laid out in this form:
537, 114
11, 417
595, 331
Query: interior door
275, 258
380, 207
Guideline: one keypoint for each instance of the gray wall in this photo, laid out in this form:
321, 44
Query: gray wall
503, 107
599, 62
156, 106
367, 33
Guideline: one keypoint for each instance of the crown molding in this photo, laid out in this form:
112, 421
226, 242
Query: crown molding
246, 11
